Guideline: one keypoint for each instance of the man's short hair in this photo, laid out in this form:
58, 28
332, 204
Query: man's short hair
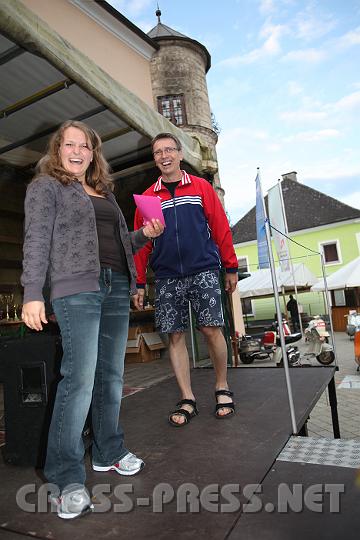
166, 136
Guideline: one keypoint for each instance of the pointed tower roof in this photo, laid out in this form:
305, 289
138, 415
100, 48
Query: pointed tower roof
162, 32
320, 210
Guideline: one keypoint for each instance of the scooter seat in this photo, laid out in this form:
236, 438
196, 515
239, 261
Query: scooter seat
291, 338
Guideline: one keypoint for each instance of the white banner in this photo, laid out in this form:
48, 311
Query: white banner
277, 220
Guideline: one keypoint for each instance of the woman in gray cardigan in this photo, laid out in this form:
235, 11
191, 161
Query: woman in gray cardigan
75, 234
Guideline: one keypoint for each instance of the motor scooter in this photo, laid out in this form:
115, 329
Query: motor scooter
252, 348
268, 346
272, 338
317, 337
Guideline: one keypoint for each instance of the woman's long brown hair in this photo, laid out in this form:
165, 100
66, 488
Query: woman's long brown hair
98, 173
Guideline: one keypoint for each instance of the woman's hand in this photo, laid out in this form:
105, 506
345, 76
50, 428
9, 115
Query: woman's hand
153, 228
138, 299
33, 314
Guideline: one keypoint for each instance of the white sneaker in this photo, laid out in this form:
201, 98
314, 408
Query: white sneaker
127, 466
73, 503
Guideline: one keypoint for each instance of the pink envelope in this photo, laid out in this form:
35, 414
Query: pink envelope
149, 208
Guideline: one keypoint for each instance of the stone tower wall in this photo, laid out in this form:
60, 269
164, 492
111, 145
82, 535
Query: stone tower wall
179, 67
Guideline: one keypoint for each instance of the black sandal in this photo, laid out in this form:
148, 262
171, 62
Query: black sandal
183, 412
230, 405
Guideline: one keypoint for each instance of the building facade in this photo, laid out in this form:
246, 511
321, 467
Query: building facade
318, 224
75, 59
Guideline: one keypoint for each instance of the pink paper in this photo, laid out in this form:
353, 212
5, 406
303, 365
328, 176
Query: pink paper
149, 208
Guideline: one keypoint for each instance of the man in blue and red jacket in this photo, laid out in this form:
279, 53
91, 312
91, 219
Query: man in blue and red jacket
186, 261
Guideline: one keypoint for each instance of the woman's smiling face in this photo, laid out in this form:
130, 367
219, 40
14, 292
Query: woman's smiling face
75, 152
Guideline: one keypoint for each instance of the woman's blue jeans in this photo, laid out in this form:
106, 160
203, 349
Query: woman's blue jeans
94, 329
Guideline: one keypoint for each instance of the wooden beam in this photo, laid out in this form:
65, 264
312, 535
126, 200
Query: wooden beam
41, 94
24, 27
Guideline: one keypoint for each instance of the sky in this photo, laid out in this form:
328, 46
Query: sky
284, 86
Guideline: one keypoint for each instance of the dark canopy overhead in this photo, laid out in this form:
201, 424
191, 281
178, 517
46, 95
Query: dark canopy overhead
35, 98
45, 80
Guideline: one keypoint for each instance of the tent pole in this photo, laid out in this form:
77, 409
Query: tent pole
281, 330
284, 299
289, 251
328, 307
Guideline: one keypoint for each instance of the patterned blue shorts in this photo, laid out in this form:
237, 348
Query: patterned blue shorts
173, 296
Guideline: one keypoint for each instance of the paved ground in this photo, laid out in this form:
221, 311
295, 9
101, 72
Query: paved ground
348, 399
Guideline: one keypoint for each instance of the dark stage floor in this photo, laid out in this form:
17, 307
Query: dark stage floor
203, 459
312, 502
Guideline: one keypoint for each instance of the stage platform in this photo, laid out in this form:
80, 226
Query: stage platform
196, 478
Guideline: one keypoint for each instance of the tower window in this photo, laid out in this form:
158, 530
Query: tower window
173, 108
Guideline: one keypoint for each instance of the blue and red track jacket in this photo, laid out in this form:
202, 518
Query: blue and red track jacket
197, 235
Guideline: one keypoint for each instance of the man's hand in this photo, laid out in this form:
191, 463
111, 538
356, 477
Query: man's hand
138, 299
231, 280
33, 314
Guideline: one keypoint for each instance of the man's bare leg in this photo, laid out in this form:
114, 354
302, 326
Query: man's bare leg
218, 354
179, 357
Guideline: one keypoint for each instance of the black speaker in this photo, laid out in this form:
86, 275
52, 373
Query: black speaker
31, 372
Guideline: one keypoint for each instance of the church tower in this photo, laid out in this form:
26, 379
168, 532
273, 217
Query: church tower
178, 75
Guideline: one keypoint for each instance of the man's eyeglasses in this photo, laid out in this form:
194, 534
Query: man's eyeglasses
166, 151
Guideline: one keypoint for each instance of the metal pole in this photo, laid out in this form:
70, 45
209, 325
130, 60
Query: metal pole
333, 405
284, 300
281, 330
290, 259
328, 307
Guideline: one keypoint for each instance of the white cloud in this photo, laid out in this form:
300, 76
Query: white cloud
313, 136
346, 103
132, 8
335, 110
305, 55
274, 147
145, 26
330, 170
230, 136
271, 46
272, 33
350, 39
266, 6
294, 88
135, 7
310, 25
302, 116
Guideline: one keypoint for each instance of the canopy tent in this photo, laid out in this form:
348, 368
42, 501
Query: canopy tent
347, 277
260, 284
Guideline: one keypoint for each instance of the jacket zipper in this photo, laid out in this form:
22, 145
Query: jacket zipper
177, 234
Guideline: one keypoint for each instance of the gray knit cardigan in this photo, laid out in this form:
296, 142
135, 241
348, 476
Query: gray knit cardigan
61, 243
